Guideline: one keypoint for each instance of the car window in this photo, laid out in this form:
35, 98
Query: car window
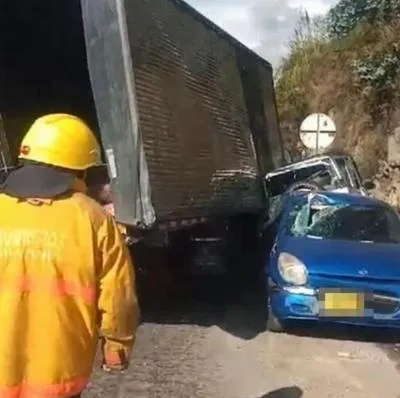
307, 172
277, 185
354, 173
344, 175
346, 222
347, 172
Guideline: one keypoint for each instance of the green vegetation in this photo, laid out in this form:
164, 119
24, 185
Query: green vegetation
346, 64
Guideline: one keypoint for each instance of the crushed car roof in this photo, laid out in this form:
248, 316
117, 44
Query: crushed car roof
302, 163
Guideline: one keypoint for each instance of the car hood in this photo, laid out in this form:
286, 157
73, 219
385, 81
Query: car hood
347, 259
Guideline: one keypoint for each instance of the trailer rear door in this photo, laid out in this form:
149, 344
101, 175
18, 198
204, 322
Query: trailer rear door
111, 75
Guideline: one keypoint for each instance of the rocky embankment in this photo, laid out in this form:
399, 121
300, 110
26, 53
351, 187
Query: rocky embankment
387, 183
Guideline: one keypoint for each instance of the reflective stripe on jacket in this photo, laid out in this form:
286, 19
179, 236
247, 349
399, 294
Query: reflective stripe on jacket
65, 277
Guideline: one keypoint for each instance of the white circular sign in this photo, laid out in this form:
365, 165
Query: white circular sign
317, 131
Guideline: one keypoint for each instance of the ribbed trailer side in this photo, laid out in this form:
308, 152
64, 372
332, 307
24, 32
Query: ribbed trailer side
181, 112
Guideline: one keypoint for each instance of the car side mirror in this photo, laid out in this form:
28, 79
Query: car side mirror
369, 185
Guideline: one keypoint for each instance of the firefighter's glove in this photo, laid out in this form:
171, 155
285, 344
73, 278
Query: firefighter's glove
130, 240
114, 360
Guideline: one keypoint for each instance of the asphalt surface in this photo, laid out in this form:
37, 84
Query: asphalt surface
213, 345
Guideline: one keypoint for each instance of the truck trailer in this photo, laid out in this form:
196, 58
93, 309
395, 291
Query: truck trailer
186, 116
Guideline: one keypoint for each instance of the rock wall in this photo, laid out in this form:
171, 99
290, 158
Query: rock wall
387, 179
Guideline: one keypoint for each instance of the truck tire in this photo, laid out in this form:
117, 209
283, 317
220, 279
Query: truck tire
243, 249
273, 324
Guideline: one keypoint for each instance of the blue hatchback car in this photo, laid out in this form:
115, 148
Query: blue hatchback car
336, 258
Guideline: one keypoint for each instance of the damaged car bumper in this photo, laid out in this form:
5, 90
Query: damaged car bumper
307, 303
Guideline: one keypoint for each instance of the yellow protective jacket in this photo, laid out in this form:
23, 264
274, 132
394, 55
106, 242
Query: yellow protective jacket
109, 208
66, 279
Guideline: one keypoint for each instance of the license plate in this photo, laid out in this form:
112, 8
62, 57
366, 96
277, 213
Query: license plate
342, 304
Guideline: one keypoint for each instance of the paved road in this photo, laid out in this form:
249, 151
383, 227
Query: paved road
216, 349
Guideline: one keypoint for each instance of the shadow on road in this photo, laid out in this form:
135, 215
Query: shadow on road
240, 311
208, 302
286, 392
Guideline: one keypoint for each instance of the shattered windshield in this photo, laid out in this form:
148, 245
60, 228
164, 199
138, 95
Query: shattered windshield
345, 222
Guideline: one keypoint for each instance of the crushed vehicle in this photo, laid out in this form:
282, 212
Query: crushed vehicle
330, 172
335, 259
186, 116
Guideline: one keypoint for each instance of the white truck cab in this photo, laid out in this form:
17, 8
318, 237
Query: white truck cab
337, 173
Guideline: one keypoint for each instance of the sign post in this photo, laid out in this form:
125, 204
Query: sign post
317, 131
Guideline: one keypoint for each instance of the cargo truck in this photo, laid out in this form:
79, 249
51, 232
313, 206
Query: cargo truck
186, 116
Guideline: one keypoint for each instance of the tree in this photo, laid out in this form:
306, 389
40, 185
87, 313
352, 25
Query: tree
347, 14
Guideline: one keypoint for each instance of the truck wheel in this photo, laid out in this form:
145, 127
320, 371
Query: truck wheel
274, 324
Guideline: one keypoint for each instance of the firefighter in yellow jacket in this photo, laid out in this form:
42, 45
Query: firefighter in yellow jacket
66, 278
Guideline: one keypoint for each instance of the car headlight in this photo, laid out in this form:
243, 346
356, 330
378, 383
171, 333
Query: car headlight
292, 270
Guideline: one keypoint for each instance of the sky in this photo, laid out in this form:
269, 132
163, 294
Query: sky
265, 26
